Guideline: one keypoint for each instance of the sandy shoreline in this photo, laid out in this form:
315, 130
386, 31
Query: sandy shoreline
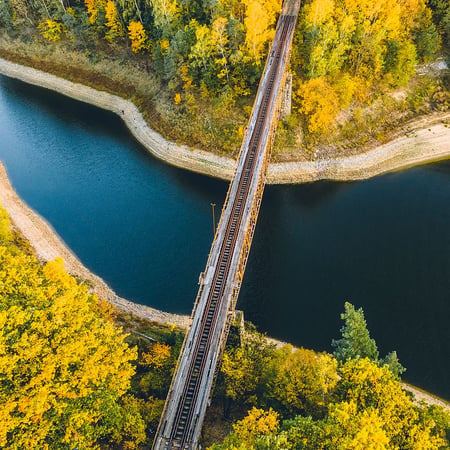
48, 245
428, 142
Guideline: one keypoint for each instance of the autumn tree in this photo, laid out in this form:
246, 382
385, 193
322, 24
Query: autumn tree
112, 22
137, 35
93, 7
64, 366
319, 103
374, 410
254, 431
370, 410
303, 380
246, 370
52, 30
159, 363
347, 48
166, 13
260, 16
6, 234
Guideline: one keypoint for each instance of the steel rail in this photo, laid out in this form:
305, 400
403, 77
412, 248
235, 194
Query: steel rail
185, 412
184, 421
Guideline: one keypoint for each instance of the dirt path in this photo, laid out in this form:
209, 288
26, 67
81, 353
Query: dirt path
48, 245
429, 140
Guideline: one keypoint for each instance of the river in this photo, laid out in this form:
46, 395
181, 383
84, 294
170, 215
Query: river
145, 227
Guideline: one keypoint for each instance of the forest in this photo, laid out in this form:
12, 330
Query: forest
203, 59
76, 373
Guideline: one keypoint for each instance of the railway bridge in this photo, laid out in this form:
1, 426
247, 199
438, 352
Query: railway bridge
219, 285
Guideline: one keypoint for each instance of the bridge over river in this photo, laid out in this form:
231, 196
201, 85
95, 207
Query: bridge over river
191, 388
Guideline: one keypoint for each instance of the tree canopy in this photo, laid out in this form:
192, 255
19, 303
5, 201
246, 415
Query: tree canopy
368, 410
342, 48
64, 366
345, 49
314, 401
356, 341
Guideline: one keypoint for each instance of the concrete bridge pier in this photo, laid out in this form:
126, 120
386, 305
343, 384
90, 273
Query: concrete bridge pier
286, 98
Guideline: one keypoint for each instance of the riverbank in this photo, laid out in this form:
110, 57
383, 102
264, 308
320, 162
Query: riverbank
423, 140
47, 245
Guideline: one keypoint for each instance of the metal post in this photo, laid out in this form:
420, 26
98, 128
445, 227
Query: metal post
213, 219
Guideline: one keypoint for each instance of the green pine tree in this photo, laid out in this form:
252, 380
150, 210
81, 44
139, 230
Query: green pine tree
356, 341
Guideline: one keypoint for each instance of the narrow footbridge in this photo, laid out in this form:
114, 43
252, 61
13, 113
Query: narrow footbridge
191, 388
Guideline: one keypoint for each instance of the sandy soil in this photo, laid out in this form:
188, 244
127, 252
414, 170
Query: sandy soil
48, 245
430, 399
429, 140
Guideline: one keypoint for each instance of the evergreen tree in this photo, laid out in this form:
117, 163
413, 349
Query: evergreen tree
391, 360
356, 341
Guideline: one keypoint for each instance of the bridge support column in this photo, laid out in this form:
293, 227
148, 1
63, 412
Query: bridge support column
286, 98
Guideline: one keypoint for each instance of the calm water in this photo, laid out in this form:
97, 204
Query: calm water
145, 227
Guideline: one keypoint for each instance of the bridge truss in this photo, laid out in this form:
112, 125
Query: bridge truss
191, 388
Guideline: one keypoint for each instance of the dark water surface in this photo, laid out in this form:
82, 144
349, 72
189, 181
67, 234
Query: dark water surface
145, 227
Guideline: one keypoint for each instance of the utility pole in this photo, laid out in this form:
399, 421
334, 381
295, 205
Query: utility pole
213, 219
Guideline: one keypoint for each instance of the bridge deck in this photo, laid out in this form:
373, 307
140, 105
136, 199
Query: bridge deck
191, 387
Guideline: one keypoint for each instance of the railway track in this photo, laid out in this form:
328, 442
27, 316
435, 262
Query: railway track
179, 426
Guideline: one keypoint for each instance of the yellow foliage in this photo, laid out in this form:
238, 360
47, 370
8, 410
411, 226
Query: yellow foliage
319, 11
137, 35
61, 358
164, 44
354, 44
345, 87
157, 356
51, 29
257, 422
376, 408
319, 102
92, 7
237, 369
303, 378
260, 16
363, 431
177, 98
165, 12
6, 234
112, 21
